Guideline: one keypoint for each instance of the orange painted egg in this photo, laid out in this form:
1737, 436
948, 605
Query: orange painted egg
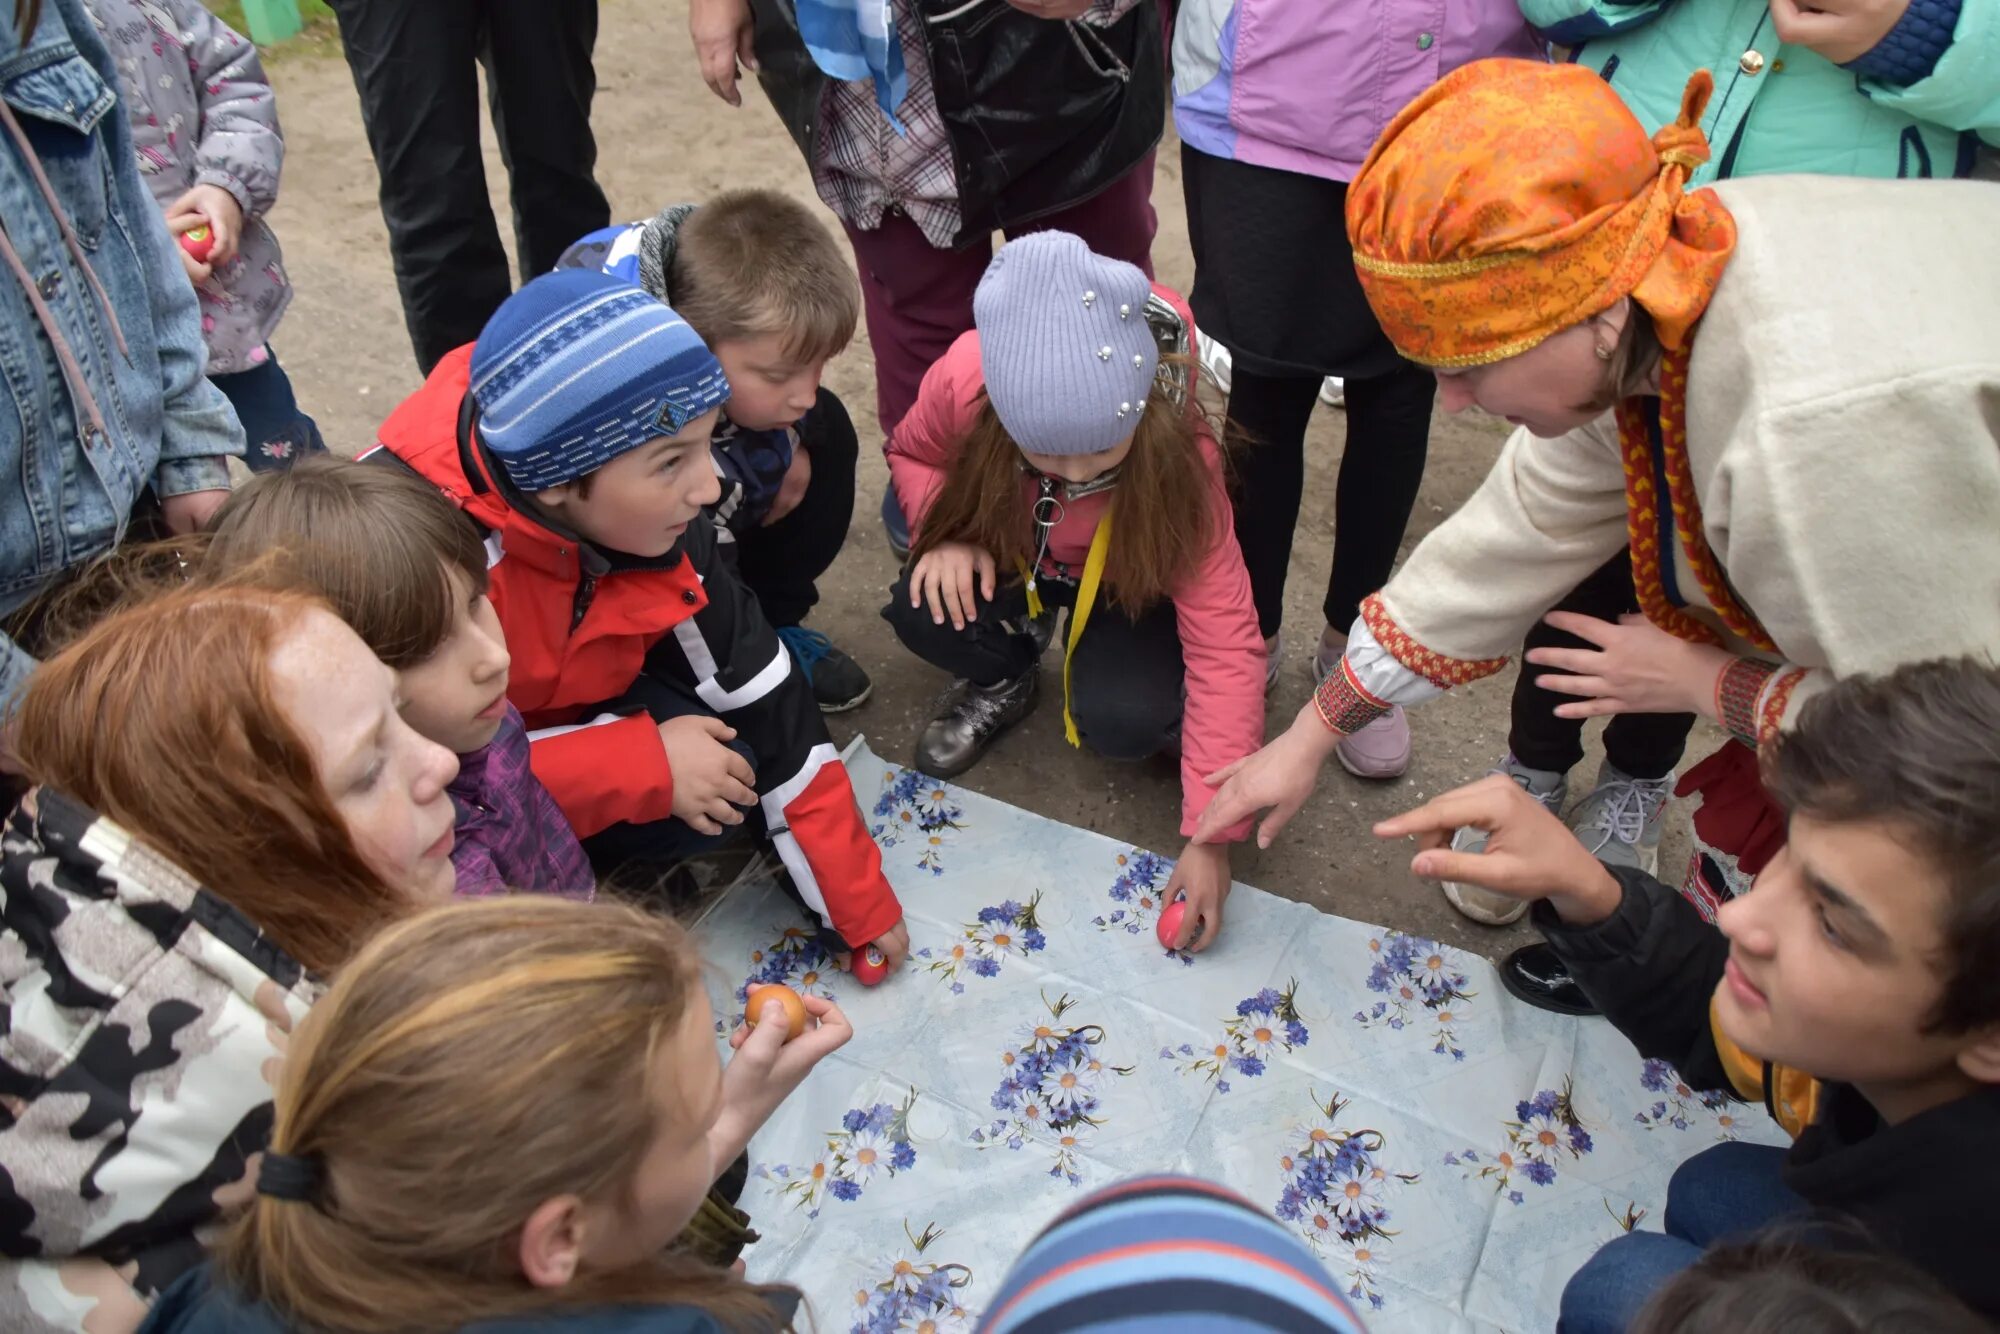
760, 996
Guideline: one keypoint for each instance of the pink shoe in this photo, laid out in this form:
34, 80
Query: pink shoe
1380, 750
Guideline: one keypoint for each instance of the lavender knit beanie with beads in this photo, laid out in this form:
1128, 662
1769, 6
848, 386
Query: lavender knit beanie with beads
1064, 345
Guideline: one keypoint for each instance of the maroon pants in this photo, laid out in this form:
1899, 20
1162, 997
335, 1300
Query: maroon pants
918, 298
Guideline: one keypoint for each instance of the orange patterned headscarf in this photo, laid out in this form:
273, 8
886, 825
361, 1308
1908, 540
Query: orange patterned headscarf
1514, 199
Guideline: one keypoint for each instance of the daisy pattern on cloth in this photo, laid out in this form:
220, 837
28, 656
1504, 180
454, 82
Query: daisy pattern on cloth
871, 1142
1049, 1093
1336, 1196
1680, 1106
1263, 1026
915, 1292
919, 811
1544, 1133
1419, 979
1002, 931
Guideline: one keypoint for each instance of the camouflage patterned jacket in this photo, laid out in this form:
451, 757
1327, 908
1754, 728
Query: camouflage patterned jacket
141, 1023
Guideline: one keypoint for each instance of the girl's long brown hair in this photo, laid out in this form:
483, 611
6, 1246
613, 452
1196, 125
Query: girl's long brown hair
161, 717
471, 1063
1161, 508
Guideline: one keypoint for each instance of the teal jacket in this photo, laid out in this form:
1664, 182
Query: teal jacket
1926, 102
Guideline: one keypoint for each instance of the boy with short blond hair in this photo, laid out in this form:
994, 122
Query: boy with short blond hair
758, 277
1855, 991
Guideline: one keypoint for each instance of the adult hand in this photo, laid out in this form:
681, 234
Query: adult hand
1635, 668
1840, 30
215, 206
710, 779
766, 1068
724, 39
894, 944
1053, 9
1277, 779
1530, 854
944, 577
190, 512
1201, 878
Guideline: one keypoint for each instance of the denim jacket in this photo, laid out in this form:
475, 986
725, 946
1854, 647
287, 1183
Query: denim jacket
101, 359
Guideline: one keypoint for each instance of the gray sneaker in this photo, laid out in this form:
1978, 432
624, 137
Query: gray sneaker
1620, 819
1483, 905
968, 718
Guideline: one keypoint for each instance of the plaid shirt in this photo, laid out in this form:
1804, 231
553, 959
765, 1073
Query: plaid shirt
511, 834
864, 168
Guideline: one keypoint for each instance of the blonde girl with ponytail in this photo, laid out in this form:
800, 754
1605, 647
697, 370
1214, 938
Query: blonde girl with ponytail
502, 1116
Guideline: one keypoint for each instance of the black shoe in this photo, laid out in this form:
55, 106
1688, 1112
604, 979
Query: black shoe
837, 680
1536, 975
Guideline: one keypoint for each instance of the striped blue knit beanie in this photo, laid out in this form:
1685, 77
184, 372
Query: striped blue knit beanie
577, 368
1064, 345
1168, 1255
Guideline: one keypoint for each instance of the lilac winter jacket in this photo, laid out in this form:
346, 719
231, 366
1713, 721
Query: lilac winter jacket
1307, 87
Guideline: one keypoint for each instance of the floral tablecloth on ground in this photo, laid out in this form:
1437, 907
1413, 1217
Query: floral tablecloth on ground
1451, 1154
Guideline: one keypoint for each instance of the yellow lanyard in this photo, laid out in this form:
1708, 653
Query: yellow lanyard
1079, 615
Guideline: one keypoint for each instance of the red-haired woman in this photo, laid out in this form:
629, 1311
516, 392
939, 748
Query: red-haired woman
227, 803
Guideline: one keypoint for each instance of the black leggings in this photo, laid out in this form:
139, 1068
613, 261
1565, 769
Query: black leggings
1126, 675
782, 563
1644, 745
1388, 432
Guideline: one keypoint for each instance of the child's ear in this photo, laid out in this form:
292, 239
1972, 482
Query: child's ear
556, 499
552, 1242
1980, 1057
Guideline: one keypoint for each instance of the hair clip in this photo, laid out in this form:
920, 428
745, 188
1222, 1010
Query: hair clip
285, 1176
1089, 299
1124, 408
1138, 362
1123, 311
1104, 354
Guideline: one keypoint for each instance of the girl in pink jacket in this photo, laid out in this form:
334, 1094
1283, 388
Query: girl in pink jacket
1055, 458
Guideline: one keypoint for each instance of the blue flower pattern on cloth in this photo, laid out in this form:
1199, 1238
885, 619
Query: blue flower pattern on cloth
1048, 1095
1422, 981
917, 810
915, 1292
1139, 891
1545, 1130
1264, 1026
975, 1072
1680, 1106
1002, 931
1336, 1195
871, 1142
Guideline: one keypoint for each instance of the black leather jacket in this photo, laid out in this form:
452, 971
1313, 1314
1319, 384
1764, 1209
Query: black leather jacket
1041, 114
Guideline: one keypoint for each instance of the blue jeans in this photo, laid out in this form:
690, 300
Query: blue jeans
1726, 1191
275, 432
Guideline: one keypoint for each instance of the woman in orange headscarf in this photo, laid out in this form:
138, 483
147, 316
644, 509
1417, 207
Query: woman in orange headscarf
1781, 393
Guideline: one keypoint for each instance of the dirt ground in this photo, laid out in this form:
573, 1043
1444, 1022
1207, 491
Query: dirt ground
664, 138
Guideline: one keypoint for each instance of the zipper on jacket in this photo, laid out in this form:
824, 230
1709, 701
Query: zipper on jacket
586, 592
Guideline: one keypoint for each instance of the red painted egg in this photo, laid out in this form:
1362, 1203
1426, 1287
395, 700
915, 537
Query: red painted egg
869, 967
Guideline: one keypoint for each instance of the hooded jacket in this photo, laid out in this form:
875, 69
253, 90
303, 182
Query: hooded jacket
144, 1019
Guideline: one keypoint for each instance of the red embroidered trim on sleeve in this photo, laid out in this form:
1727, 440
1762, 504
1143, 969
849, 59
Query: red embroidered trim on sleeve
1434, 667
1771, 706
1737, 689
1344, 706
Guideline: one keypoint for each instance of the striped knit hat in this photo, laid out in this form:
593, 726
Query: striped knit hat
1168, 1255
577, 368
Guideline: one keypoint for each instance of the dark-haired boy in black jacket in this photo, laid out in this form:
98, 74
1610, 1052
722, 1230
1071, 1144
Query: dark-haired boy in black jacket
1855, 992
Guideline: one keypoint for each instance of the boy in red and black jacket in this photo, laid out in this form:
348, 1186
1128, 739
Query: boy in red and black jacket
660, 704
